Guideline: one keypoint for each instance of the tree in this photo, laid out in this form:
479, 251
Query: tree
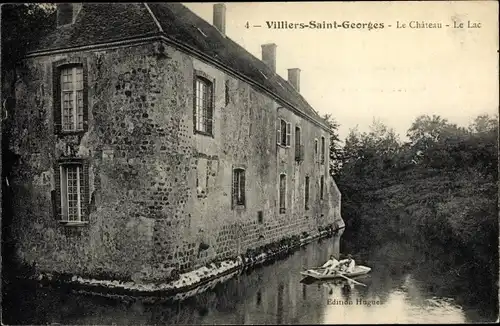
484, 124
22, 27
336, 152
427, 128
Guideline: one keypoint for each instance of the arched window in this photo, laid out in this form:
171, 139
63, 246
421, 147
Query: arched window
238, 191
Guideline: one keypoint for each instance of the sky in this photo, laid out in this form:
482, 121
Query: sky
390, 74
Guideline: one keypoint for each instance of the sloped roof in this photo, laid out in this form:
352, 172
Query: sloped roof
101, 23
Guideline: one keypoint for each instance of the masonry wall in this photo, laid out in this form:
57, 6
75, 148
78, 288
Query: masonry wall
245, 136
144, 161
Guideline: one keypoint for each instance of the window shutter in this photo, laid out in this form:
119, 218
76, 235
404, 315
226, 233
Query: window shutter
56, 90
233, 190
307, 194
85, 98
211, 108
288, 133
86, 192
57, 192
322, 187
278, 132
242, 186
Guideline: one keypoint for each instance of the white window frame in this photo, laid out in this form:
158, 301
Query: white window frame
287, 131
285, 194
75, 89
201, 113
63, 172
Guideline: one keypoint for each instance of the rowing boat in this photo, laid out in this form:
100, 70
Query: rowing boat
317, 273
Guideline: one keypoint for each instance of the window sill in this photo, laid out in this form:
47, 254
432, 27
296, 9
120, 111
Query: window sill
69, 133
73, 223
203, 133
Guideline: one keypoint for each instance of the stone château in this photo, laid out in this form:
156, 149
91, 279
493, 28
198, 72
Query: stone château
146, 140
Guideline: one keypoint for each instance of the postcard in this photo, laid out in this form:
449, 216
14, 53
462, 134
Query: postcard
250, 163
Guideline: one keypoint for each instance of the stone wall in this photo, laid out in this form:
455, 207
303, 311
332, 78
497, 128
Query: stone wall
146, 215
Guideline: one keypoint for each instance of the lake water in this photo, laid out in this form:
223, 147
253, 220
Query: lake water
396, 292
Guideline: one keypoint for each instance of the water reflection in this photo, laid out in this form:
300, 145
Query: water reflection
270, 295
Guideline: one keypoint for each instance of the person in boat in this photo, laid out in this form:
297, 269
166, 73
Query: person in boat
331, 265
347, 265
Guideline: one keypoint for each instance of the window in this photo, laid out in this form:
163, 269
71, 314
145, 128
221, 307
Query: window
323, 150
71, 98
322, 187
227, 92
284, 133
203, 112
238, 187
306, 194
73, 191
299, 150
315, 148
282, 193
70, 95
297, 137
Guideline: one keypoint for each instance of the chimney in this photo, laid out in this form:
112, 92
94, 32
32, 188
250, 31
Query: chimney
269, 55
220, 17
294, 78
67, 12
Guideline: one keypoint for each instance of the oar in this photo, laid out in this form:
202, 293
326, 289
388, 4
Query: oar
350, 279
